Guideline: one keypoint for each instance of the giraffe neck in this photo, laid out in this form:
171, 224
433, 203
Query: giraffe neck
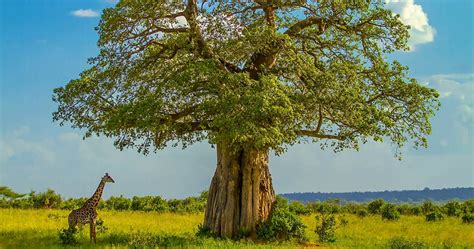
94, 200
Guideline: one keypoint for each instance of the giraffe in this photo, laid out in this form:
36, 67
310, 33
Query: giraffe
87, 213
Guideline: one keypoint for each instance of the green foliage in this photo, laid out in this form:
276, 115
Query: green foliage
141, 239
468, 206
149, 203
204, 232
453, 208
326, 228
434, 216
250, 82
404, 209
100, 226
343, 220
118, 203
375, 207
362, 213
404, 243
389, 212
68, 236
416, 210
6, 192
428, 207
282, 224
468, 218
73, 203
48, 199
299, 208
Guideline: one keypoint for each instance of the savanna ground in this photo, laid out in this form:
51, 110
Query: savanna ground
39, 229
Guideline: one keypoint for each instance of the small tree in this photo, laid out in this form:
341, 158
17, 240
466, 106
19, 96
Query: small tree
389, 212
326, 228
375, 206
434, 216
453, 208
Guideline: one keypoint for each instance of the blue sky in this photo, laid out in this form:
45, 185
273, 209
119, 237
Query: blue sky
45, 43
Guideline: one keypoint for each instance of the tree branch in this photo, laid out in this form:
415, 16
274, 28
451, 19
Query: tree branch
310, 21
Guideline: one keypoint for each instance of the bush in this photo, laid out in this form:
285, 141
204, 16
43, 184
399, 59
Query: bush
282, 224
404, 209
326, 228
434, 216
149, 203
48, 199
299, 208
343, 220
468, 206
453, 208
100, 226
362, 213
468, 218
204, 232
73, 203
416, 210
403, 243
118, 203
428, 207
68, 236
390, 212
375, 206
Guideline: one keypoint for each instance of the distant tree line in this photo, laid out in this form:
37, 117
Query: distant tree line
440, 195
432, 210
50, 199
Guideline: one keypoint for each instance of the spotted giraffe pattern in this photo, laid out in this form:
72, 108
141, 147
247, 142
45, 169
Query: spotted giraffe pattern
87, 214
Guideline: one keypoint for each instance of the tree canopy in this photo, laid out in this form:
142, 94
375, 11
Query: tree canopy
257, 73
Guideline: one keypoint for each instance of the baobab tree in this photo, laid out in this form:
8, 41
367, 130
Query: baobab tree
250, 77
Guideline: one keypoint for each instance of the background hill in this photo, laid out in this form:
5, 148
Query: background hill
441, 195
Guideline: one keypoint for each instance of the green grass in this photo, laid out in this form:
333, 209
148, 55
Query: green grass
39, 229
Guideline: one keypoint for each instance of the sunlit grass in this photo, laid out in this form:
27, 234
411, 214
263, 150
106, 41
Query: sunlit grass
39, 229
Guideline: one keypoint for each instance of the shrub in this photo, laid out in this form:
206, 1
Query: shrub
282, 224
362, 213
468, 206
299, 208
204, 232
428, 207
434, 216
375, 206
404, 209
68, 236
48, 199
468, 218
453, 208
118, 203
100, 227
389, 212
403, 243
416, 210
343, 220
326, 228
73, 203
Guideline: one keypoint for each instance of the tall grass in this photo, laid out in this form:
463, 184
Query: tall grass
39, 229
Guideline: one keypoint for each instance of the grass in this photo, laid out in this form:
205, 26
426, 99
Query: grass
39, 229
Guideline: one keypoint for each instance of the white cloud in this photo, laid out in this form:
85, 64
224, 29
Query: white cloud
85, 13
15, 146
456, 115
412, 14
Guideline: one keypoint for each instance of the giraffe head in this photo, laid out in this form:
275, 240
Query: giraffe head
107, 178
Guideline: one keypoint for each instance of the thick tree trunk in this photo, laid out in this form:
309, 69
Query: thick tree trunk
241, 192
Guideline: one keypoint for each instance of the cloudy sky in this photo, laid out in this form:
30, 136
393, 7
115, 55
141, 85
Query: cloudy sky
45, 43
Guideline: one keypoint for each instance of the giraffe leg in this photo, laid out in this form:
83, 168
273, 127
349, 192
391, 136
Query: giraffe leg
92, 231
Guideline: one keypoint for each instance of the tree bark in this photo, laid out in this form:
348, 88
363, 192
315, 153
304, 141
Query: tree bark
241, 192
